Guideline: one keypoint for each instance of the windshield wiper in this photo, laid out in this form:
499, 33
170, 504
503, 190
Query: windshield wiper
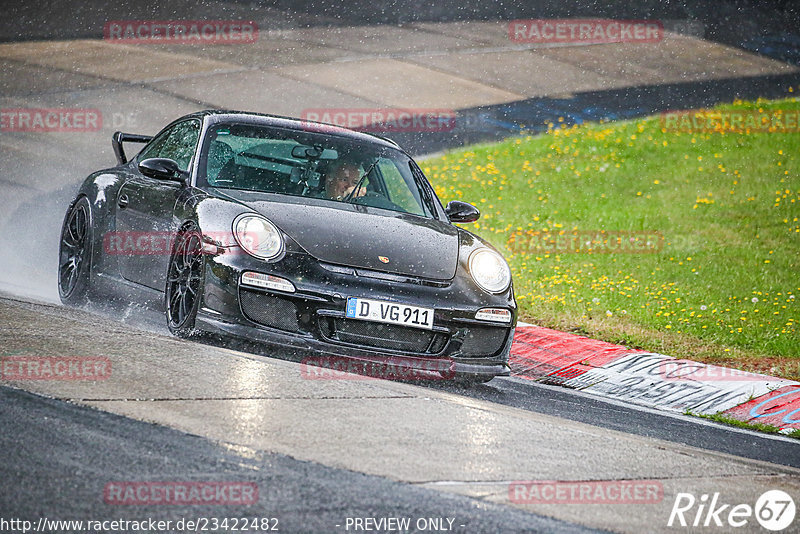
350, 195
419, 179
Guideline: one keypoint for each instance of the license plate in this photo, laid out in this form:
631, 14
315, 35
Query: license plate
389, 312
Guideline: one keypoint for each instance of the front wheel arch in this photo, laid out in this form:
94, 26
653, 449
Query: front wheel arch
183, 292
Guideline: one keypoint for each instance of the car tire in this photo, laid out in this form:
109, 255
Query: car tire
74, 254
471, 380
185, 276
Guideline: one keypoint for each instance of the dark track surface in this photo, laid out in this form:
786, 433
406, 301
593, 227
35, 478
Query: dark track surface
72, 452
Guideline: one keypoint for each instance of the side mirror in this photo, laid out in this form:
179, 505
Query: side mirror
162, 169
461, 212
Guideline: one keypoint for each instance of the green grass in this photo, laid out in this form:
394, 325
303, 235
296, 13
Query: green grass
758, 427
725, 286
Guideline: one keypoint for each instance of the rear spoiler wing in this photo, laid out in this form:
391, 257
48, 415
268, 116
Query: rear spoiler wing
118, 138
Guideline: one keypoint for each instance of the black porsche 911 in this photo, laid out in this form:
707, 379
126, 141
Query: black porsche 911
301, 235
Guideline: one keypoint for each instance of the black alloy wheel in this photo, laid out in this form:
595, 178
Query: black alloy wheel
74, 254
185, 282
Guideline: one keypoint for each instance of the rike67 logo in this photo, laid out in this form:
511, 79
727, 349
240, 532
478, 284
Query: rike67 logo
774, 510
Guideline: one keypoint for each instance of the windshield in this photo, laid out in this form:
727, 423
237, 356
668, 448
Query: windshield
308, 164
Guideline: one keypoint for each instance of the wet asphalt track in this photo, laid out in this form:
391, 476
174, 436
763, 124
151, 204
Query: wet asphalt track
58, 456
71, 452
688, 430
563, 403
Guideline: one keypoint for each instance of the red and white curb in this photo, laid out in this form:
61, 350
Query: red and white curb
653, 380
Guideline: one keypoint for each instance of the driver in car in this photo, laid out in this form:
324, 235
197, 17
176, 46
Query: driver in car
341, 179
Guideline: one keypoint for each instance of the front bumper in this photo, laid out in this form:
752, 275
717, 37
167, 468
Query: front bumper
312, 319
292, 345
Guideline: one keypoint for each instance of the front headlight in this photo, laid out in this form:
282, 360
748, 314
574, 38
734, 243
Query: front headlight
489, 270
257, 236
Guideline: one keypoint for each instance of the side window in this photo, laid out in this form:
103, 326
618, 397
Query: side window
154, 148
178, 144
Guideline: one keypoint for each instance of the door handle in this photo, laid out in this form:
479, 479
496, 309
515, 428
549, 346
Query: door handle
123, 201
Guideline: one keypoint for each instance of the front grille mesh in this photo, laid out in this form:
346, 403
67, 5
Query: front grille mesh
483, 341
282, 313
269, 310
382, 336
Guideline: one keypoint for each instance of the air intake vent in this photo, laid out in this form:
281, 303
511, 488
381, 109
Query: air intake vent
382, 336
484, 341
269, 310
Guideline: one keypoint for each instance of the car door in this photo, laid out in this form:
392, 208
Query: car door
145, 207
